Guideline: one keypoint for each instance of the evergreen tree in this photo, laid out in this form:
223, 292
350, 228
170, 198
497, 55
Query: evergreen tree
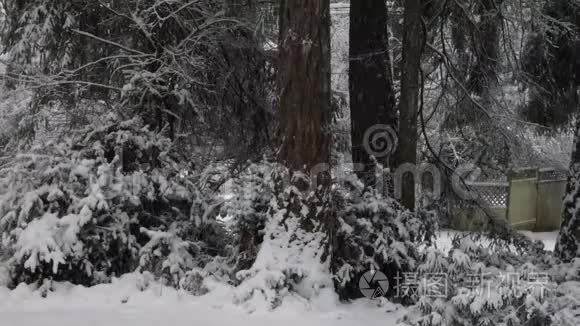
568, 242
548, 62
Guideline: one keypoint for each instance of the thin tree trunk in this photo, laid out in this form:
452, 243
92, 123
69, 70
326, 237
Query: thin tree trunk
459, 26
486, 47
409, 103
396, 25
372, 98
463, 111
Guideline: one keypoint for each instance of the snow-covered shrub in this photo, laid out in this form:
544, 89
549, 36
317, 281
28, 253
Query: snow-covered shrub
16, 118
374, 233
97, 203
247, 210
293, 251
168, 255
294, 257
482, 285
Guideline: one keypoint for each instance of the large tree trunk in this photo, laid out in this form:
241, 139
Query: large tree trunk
304, 83
409, 103
372, 99
305, 128
300, 227
306, 114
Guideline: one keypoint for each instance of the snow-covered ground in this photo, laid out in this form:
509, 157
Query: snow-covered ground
126, 302
444, 238
123, 304
548, 238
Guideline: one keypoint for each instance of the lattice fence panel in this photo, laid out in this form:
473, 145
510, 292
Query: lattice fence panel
491, 194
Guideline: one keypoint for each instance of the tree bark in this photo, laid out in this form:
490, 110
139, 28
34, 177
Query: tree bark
372, 98
306, 116
409, 103
304, 83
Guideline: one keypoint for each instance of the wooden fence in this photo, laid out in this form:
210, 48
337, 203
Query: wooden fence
531, 199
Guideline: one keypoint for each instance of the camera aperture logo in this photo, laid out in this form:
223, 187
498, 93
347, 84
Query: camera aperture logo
373, 284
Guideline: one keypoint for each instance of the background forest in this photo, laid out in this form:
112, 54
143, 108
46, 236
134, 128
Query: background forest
257, 144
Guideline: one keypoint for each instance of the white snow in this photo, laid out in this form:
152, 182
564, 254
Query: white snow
548, 238
445, 237
134, 300
123, 304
